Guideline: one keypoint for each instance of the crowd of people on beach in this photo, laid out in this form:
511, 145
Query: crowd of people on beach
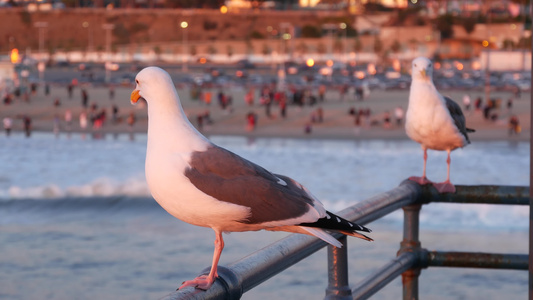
93, 116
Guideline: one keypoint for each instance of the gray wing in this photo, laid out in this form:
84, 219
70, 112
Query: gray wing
458, 117
231, 178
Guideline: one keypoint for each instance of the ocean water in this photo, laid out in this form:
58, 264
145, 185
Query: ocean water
77, 222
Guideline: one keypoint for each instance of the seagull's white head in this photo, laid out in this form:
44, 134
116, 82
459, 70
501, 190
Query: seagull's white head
150, 84
422, 69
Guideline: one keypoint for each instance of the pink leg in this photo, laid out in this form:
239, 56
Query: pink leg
446, 186
204, 282
422, 180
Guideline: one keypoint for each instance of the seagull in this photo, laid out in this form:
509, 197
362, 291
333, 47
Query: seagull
434, 121
206, 185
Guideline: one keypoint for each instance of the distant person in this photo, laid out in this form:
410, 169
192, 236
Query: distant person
200, 121
478, 103
283, 106
320, 114
514, 125
57, 102
510, 104
56, 125
70, 88
114, 114
8, 99
84, 98
517, 92
466, 102
207, 98
68, 119
343, 91
33, 88
321, 92
26, 120
251, 121
399, 114
249, 97
47, 89
131, 120
386, 120
8, 125
308, 128
83, 120
111, 93
359, 93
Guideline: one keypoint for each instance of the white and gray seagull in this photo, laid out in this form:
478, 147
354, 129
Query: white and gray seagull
434, 121
203, 184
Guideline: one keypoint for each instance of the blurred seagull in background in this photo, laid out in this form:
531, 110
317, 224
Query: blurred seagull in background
434, 121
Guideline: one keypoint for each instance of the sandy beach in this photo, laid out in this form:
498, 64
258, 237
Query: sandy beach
337, 122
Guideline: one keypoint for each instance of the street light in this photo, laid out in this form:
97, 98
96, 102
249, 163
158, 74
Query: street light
108, 28
184, 26
330, 28
41, 26
344, 27
89, 36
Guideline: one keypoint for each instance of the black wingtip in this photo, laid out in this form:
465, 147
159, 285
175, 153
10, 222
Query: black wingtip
336, 223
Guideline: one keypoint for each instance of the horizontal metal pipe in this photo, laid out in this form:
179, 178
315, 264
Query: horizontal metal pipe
477, 260
375, 282
261, 265
248, 272
369, 210
256, 268
479, 194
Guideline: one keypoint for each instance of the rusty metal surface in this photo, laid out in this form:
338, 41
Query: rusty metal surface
338, 285
375, 282
486, 194
478, 260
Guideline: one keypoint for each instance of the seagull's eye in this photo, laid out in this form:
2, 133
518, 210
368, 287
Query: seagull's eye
136, 81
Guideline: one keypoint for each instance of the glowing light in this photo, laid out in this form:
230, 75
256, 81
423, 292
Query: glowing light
485, 43
184, 24
329, 63
396, 65
371, 69
310, 62
437, 65
202, 60
286, 36
459, 66
360, 74
476, 65
223, 9
15, 56
342, 25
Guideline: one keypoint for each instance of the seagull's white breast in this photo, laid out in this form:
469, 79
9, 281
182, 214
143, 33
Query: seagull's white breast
428, 121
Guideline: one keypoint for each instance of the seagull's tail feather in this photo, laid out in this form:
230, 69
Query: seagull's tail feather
321, 234
336, 223
470, 130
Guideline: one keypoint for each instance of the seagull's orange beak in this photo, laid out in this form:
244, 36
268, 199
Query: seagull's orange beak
423, 72
135, 96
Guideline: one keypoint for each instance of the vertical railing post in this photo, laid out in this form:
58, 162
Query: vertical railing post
338, 287
411, 243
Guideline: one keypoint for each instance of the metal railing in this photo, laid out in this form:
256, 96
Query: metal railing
248, 272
